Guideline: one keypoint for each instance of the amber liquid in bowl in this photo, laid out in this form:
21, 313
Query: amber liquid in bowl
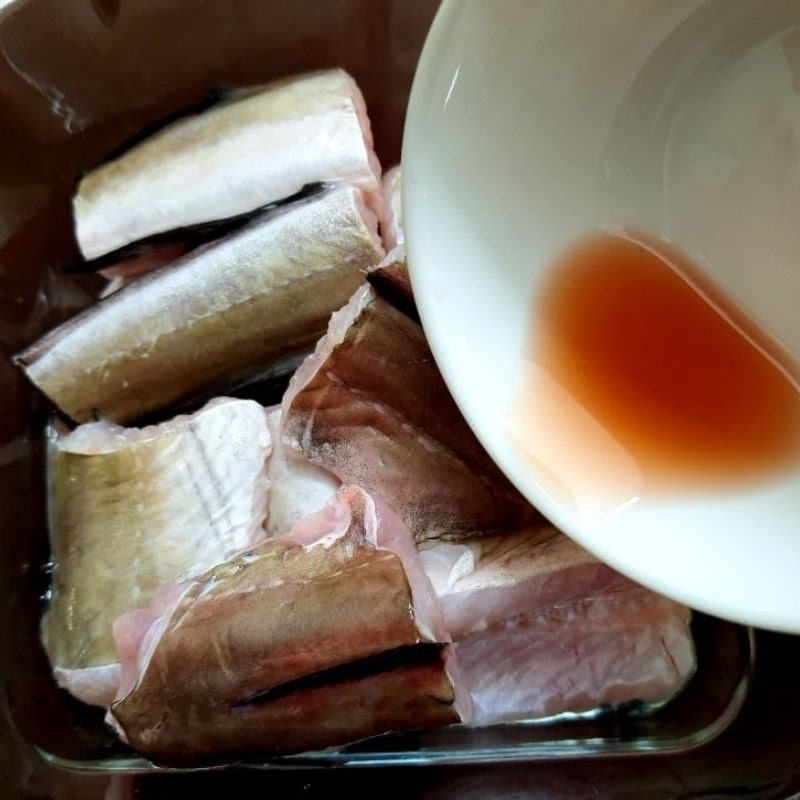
664, 365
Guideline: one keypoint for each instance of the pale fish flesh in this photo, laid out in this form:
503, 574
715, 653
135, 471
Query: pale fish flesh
542, 627
221, 314
298, 487
131, 508
392, 208
487, 579
370, 406
313, 639
254, 148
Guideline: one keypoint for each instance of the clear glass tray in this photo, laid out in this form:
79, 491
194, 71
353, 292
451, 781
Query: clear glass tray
82, 56
705, 708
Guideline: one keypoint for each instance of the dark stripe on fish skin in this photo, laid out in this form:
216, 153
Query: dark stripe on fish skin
409, 655
189, 237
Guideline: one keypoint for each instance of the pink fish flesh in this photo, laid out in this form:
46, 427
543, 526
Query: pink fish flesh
542, 627
608, 649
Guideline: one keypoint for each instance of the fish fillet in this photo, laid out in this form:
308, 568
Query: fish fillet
133, 508
370, 406
255, 148
542, 627
603, 650
313, 639
220, 314
392, 208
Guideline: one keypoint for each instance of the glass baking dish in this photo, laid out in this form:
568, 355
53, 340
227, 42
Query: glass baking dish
79, 78
704, 709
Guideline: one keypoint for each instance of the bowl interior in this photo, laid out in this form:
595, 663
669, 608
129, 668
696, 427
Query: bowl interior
530, 124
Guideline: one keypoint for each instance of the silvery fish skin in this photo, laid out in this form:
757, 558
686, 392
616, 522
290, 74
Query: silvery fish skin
131, 508
370, 406
257, 147
226, 310
310, 640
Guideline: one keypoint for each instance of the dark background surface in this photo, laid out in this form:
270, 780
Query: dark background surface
77, 78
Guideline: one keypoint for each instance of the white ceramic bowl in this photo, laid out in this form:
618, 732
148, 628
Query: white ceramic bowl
531, 123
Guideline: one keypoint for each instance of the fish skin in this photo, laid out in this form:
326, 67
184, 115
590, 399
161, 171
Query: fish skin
609, 649
407, 696
224, 310
272, 652
130, 509
370, 406
256, 147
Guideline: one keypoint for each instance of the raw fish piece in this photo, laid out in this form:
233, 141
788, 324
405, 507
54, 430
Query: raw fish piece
132, 508
370, 406
298, 487
221, 314
487, 579
313, 639
392, 208
257, 147
391, 281
609, 649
